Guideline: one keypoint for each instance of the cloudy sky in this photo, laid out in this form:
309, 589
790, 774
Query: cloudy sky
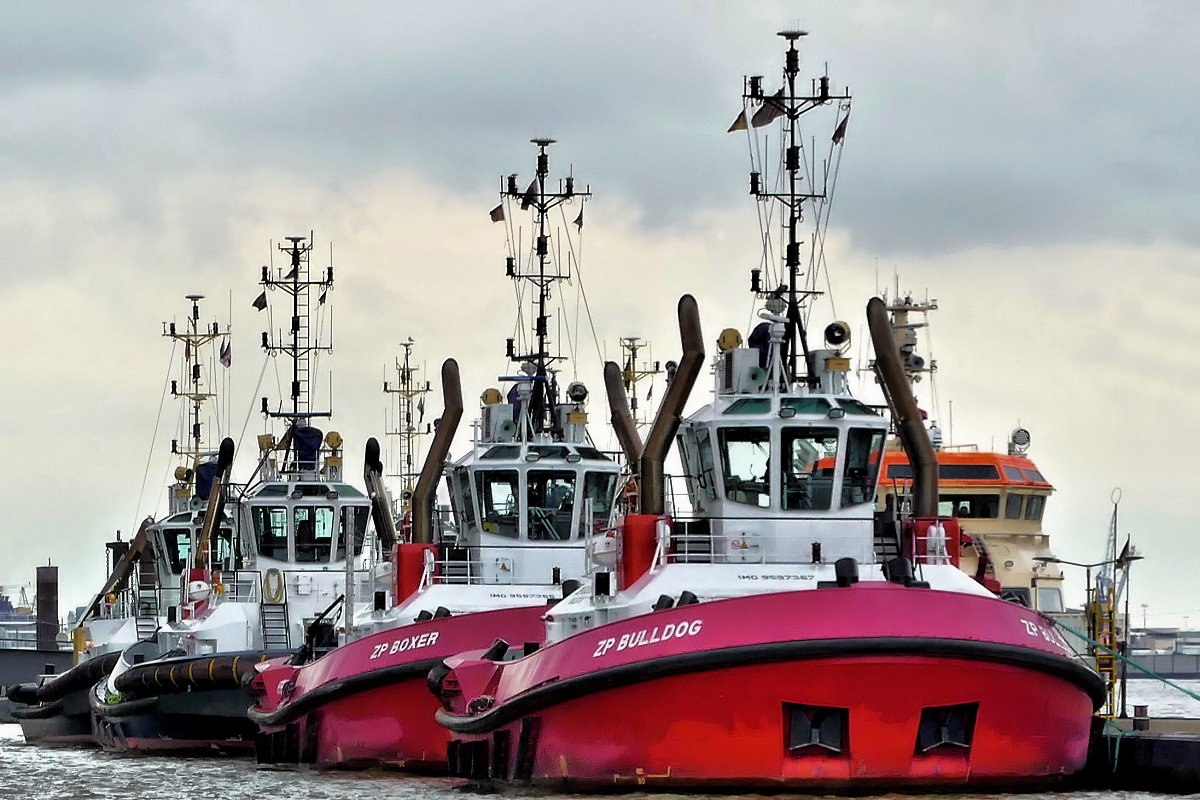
1033, 167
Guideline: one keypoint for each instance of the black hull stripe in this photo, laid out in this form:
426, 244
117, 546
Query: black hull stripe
704, 660
336, 690
39, 712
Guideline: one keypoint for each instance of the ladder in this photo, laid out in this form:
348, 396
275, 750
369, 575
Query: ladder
275, 626
145, 607
1104, 615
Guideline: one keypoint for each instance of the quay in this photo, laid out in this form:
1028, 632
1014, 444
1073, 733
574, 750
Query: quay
1160, 754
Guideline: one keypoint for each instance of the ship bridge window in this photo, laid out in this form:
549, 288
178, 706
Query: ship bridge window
746, 459
222, 550
750, 405
314, 534
809, 463
592, 454
1013, 474
273, 490
1034, 506
355, 518
853, 406
805, 405
503, 451
311, 490
600, 487
551, 500
968, 472
969, 506
864, 448
899, 472
461, 493
271, 529
549, 451
1050, 599
1012, 506
1034, 475
346, 490
707, 477
498, 490
178, 542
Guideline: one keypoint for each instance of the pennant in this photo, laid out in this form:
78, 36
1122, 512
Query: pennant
530, 195
650, 393
497, 214
260, 302
421, 410
290, 274
739, 124
772, 109
1124, 557
839, 132
321, 299
227, 354
579, 219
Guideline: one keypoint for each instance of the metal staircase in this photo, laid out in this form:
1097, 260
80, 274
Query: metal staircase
275, 626
145, 609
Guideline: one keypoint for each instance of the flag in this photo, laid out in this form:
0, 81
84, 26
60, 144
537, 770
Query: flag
839, 132
650, 393
739, 124
226, 354
421, 410
530, 195
291, 274
1124, 557
321, 299
772, 109
498, 213
579, 219
260, 302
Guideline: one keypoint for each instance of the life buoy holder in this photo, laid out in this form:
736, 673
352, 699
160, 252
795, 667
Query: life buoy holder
273, 588
406, 526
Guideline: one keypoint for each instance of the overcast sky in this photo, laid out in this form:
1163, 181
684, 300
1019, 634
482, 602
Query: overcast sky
1033, 167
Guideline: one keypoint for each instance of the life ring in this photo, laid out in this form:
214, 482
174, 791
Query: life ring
273, 587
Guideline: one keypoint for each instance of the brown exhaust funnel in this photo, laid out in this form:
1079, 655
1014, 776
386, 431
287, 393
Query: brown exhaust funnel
652, 489
908, 417
435, 459
622, 419
216, 503
381, 509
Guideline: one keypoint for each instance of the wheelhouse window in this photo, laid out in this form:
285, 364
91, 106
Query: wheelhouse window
1034, 506
354, 519
462, 496
498, 490
222, 553
1012, 506
864, 450
271, 529
599, 487
704, 451
551, 501
809, 462
1049, 599
969, 506
178, 542
745, 460
314, 534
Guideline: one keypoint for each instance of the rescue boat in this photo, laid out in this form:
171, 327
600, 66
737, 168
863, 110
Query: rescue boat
758, 641
525, 499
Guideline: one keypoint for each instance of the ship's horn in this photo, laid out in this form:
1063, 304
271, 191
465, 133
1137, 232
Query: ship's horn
652, 490
435, 459
381, 509
622, 420
216, 502
904, 406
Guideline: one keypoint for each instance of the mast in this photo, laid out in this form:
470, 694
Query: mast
543, 269
409, 399
801, 184
633, 373
190, 386
300, 342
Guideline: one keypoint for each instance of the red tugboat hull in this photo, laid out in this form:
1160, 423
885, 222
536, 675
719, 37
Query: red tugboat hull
367, 703
754, 696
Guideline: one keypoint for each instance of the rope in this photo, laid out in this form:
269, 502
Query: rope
154, 438
1134, 664
246, 424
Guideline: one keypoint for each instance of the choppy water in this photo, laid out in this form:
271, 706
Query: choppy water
33, 773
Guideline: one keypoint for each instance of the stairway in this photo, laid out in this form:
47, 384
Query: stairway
145, 607
275, 626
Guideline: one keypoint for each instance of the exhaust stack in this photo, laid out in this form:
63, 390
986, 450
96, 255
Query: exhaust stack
652, 489
216, 503
381, 510
435, 459
622, 419
908, 417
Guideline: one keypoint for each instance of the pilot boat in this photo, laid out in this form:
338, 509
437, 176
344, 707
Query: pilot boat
142, 590
525, 499
757, 642
261, 569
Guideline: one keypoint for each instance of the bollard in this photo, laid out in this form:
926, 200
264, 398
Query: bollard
1141, 718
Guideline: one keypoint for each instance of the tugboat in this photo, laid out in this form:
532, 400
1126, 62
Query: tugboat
526, 500
757, 643
265, 579
143, 588
998, 498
